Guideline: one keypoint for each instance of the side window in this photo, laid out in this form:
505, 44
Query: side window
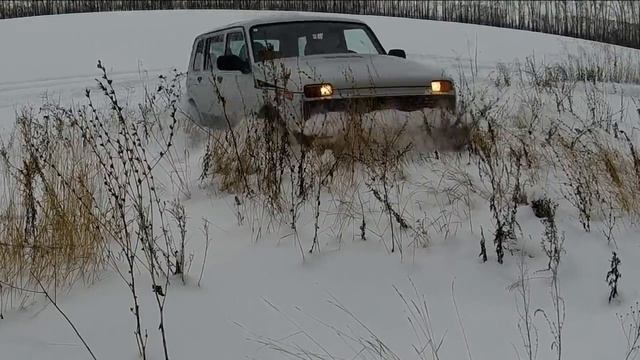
302, 44
358, 41
198, 56
237, 46
214, 48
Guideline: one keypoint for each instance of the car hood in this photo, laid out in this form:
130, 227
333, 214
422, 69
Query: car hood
344, 71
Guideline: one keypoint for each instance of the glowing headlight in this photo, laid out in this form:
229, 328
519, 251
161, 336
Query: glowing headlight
319, 90
441, 86
326, 90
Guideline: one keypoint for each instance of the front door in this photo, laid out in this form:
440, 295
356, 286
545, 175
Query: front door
207, 98
238, 86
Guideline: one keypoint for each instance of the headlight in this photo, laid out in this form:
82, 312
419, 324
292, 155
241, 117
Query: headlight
441, 86
319, 90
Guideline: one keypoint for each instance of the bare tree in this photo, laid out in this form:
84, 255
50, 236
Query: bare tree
614, 22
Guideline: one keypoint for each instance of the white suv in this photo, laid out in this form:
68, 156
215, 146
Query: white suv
313, 64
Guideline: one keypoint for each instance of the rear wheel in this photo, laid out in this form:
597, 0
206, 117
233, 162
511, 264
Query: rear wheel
192, 112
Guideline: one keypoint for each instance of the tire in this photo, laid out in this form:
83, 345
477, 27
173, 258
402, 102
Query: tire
192, 112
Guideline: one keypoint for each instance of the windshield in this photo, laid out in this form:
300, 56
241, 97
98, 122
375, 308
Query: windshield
295, 39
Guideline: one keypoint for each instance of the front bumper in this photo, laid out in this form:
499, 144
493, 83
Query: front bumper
361, 101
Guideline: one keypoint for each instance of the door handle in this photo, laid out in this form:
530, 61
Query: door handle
219, 78
199, 78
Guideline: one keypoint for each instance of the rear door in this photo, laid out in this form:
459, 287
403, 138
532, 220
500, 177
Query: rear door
195, 73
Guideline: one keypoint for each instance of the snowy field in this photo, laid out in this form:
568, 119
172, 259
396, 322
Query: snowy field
473, 307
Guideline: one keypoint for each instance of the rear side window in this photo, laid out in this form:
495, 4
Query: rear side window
214, 48
198, 56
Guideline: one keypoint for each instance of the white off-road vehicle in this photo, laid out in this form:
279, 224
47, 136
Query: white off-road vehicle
313, 64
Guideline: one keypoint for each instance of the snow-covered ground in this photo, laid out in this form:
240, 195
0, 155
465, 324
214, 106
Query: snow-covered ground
55, 57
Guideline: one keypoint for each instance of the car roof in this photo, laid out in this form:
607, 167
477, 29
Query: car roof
280, 18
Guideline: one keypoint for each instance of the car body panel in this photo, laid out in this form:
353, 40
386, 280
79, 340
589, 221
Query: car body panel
344, 71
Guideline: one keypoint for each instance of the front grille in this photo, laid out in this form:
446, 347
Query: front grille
368, 104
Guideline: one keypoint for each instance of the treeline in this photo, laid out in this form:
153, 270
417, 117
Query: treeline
614, 22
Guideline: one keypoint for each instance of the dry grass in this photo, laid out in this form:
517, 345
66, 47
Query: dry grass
284, 166
50, 214
55, 230
525, 128
598, 174
360, 340
603, 63
80, 194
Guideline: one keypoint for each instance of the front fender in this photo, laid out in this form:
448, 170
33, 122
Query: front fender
276, 104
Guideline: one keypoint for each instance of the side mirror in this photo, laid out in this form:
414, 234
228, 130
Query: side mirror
398, 52
232, 63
